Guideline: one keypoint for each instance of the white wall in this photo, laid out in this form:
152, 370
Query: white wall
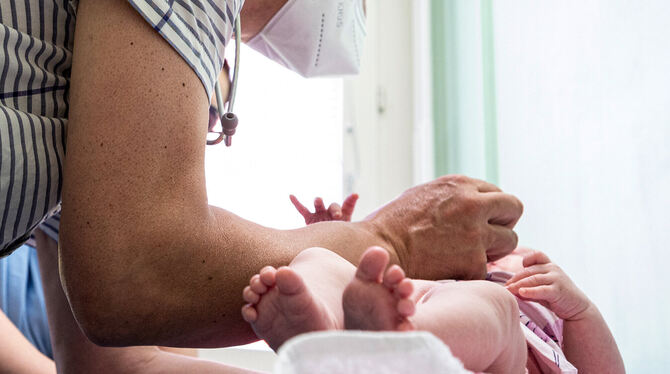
289, 141
379, 109
583, 90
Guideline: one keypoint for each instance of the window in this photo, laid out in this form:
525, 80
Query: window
289, 140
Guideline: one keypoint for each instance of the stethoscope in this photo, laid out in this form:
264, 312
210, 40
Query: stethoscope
229, 119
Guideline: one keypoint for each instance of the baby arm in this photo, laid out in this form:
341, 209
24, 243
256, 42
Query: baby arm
587, 341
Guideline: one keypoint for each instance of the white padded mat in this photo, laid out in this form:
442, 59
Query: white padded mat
358, 352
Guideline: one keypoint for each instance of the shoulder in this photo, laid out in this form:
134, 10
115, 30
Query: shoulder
197, 29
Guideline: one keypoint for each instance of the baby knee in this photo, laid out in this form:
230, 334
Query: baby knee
503, 301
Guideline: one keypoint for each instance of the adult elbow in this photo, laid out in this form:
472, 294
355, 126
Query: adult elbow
104, 296
103, 330
107, 317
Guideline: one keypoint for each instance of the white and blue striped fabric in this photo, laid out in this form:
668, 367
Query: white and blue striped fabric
36, 41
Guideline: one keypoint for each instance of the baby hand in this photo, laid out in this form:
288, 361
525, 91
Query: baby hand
545, 282
333, 213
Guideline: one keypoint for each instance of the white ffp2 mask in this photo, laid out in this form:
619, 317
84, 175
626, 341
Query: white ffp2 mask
315, 37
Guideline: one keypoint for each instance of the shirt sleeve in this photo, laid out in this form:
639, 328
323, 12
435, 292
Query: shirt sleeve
197, 29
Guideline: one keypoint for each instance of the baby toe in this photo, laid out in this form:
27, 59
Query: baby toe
404, 288
372, 264
393, 275
249, 313
257, 285
288, 281
406, 307
267, 276
250, 296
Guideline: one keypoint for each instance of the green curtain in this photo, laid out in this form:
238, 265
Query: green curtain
464, 105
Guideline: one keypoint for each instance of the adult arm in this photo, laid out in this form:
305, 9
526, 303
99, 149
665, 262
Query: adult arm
17, 355
145, 260
74, 353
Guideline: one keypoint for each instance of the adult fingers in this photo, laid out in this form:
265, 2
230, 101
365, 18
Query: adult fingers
335, 211
467, 182
531, 270
484, 186
348, 206
503, 209
502, 241
318, 205
535, 257
298, 205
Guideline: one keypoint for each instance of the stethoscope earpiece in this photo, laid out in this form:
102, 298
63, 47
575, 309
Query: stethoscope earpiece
229, 120
229, 124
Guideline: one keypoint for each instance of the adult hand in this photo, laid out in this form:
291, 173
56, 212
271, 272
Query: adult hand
450, 227
335, 212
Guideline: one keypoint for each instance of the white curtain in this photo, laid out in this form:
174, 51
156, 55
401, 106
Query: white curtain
583, 122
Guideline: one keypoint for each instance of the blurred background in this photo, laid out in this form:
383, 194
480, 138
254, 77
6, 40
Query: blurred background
564, 104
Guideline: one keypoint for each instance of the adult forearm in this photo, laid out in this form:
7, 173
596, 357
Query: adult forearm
589, 344
179, 282
144, 259
236, 249
74, 353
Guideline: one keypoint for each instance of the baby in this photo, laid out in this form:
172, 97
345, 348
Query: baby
490, 328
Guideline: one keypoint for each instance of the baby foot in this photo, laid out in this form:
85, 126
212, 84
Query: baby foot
280, 306
377, 300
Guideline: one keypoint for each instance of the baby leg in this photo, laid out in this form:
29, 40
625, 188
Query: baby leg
305, 296
478, 320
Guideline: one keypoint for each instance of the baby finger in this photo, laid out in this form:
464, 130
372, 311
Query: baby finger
527, 272
535, 257
531, 281
318, 205
545, 292
335, 211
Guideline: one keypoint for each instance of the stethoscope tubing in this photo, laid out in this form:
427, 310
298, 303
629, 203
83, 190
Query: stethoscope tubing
233, 89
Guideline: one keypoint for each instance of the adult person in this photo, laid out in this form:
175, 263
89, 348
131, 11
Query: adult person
25, 339
25, 345
143, 258
74, 353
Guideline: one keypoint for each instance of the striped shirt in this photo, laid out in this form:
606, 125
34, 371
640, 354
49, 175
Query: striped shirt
36, 41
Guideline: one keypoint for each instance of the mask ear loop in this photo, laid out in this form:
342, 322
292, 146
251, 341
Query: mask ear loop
229, 120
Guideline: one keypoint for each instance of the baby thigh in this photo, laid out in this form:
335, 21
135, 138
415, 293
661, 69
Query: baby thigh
478, 320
